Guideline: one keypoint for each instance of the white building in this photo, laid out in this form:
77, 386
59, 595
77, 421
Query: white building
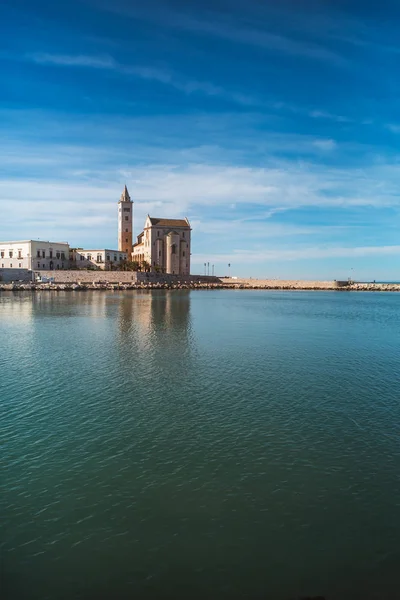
104, 259
34, 255
164, 246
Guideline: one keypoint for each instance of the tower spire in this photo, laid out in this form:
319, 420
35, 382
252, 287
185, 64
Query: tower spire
125, 197
125, 223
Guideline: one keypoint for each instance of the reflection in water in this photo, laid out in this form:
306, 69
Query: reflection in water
199, 445
153, 324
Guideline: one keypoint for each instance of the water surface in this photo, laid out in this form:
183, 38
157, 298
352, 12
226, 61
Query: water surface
200, 444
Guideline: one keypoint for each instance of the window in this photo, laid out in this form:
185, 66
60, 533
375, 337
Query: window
183, 253
38, 253
89, 257
2, 254
120, 258
82, 257
51, 253
10, 254
183, 234
58, 255
127, 210
10, 265
99, 258
19, 254
44, 266
126, 239
44, 254
126, 231
115, 257
126, 218
62, 256
20, 265
173, 249
38, 265
108, 257
159, 253
158, 234
2, 265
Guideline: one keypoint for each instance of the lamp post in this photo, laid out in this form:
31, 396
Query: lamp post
208, 268
205, 267
229, 270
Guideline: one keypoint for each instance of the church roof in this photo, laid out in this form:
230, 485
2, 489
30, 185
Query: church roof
169, 222
125, 197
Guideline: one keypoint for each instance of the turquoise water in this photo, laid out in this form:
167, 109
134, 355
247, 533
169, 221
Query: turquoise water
200, 444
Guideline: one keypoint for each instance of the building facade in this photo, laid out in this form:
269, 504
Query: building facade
34, 255
164, 245
125, 222
103, 259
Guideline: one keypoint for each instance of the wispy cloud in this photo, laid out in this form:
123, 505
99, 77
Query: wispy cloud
164, 76
325, 144
219, 26
260, 38
242, 256
80, 60
393, 127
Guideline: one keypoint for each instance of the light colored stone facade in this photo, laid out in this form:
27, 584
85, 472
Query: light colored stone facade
125, 222
34, 255
164, 245
103, 259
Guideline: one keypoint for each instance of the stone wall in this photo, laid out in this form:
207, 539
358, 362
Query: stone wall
74, 276
171, 279
9, 275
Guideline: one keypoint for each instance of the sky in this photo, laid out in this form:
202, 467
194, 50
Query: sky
273, 126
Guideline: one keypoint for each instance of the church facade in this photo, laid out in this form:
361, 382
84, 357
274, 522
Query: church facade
164, 246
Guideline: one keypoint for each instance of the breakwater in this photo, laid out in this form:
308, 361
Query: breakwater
192, 282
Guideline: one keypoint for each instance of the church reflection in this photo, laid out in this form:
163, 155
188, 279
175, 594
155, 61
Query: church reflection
155, 327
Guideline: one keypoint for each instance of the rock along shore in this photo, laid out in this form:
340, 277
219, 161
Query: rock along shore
232, 284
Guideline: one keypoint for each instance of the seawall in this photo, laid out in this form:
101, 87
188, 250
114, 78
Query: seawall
103, 280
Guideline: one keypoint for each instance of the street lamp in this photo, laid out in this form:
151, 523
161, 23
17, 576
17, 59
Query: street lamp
205, 267
229, 270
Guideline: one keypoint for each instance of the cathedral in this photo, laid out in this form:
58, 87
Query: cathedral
164, 244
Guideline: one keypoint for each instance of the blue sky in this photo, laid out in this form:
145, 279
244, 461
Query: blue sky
273, 126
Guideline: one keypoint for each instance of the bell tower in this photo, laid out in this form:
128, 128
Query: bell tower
125, 223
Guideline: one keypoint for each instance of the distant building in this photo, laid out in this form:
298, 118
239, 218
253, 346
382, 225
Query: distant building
125, 222
34, 255
164, 246
104, 259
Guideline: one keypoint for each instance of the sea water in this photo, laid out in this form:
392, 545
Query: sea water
200, 444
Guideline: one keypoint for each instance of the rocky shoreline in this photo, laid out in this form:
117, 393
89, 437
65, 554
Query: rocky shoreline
223, 284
